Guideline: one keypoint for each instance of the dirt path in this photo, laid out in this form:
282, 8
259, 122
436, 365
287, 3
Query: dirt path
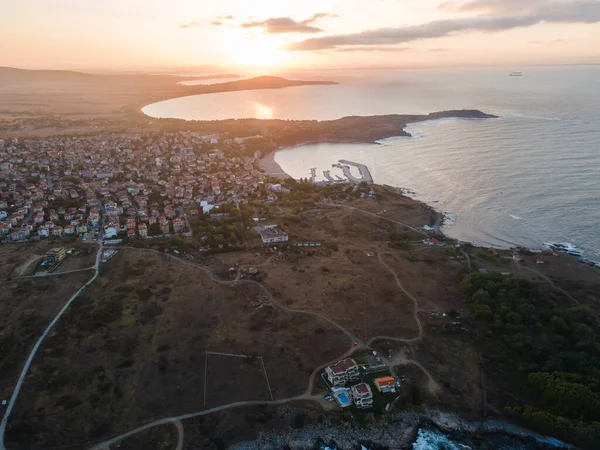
432, 386
380, 217
54, 274
179, 427
415, 309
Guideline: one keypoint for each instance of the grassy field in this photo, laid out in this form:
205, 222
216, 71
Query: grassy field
154, 337
133, 348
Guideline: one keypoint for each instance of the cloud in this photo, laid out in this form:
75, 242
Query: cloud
536, 12
191, 25
281, 25
216, 22
373, 48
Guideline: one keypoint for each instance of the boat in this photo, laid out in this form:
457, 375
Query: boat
516, 74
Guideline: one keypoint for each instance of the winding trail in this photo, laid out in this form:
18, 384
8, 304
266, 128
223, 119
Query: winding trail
179, 427
358, 344
419, 336
433, 387
263, 288
17, 390
54, 274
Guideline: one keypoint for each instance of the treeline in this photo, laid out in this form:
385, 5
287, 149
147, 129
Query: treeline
544, 352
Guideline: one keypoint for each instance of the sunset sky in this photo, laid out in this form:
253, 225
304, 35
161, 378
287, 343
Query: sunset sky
267, 34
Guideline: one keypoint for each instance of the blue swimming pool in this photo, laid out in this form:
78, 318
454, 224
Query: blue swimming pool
343, 398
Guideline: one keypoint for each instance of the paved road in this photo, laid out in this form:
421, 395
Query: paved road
54, 274
15, 394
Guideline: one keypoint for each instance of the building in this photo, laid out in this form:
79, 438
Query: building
56, 254
362, 396
178, 225
143, 230
342, 372
271, 234
385, 385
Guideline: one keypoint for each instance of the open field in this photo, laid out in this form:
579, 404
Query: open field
132, 348
155, 337
26, 307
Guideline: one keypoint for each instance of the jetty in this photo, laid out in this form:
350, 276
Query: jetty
313, 174
327, 174
364, 172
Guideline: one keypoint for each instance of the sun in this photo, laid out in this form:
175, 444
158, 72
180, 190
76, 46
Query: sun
256, 51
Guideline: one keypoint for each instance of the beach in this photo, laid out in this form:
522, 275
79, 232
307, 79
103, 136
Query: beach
271, 168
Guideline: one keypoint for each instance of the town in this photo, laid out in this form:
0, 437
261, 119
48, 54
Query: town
131, 186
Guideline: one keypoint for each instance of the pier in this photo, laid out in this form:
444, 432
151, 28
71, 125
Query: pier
327, 174
313, 174
364, 172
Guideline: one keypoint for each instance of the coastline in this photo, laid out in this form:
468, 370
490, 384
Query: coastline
273, 169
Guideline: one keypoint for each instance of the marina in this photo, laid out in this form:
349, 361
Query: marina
345, 166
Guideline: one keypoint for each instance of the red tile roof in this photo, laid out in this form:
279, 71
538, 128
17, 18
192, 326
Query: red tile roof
362, 388
343, 365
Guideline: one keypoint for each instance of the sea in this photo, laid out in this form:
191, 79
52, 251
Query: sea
529, 178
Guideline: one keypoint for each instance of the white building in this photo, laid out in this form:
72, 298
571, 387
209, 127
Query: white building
362, 396
342, 372
271, 234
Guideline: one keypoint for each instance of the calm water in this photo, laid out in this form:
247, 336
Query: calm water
531, 177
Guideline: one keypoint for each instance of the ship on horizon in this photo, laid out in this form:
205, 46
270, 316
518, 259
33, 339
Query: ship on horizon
516, 74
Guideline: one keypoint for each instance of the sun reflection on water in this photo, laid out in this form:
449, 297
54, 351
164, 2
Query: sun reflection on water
263, 111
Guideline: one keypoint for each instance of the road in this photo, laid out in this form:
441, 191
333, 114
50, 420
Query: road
17, 390
54, 274
34, 350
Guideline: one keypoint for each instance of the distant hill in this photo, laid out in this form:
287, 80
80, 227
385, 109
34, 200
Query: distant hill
11, 73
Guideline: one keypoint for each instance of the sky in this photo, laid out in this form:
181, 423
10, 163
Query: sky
271, 35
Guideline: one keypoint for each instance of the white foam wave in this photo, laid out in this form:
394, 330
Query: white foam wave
434, 440
515, 217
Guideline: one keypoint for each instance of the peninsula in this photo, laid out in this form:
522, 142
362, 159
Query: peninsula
47, 102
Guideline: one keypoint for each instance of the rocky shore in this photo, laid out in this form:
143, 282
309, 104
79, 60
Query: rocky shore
405, 430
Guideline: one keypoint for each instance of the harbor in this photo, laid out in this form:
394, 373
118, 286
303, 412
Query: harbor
345, 166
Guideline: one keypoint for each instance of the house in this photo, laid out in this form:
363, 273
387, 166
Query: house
385, 384
362, 396
342, 372
143, 230
56, 254
57, 231
69, 230
5, 228
517, 258
110, 231
271, 234
370, 253
178, 225
164, 225
540, 261
131, 233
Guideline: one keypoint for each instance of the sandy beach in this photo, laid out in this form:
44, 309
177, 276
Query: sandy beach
270, 166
